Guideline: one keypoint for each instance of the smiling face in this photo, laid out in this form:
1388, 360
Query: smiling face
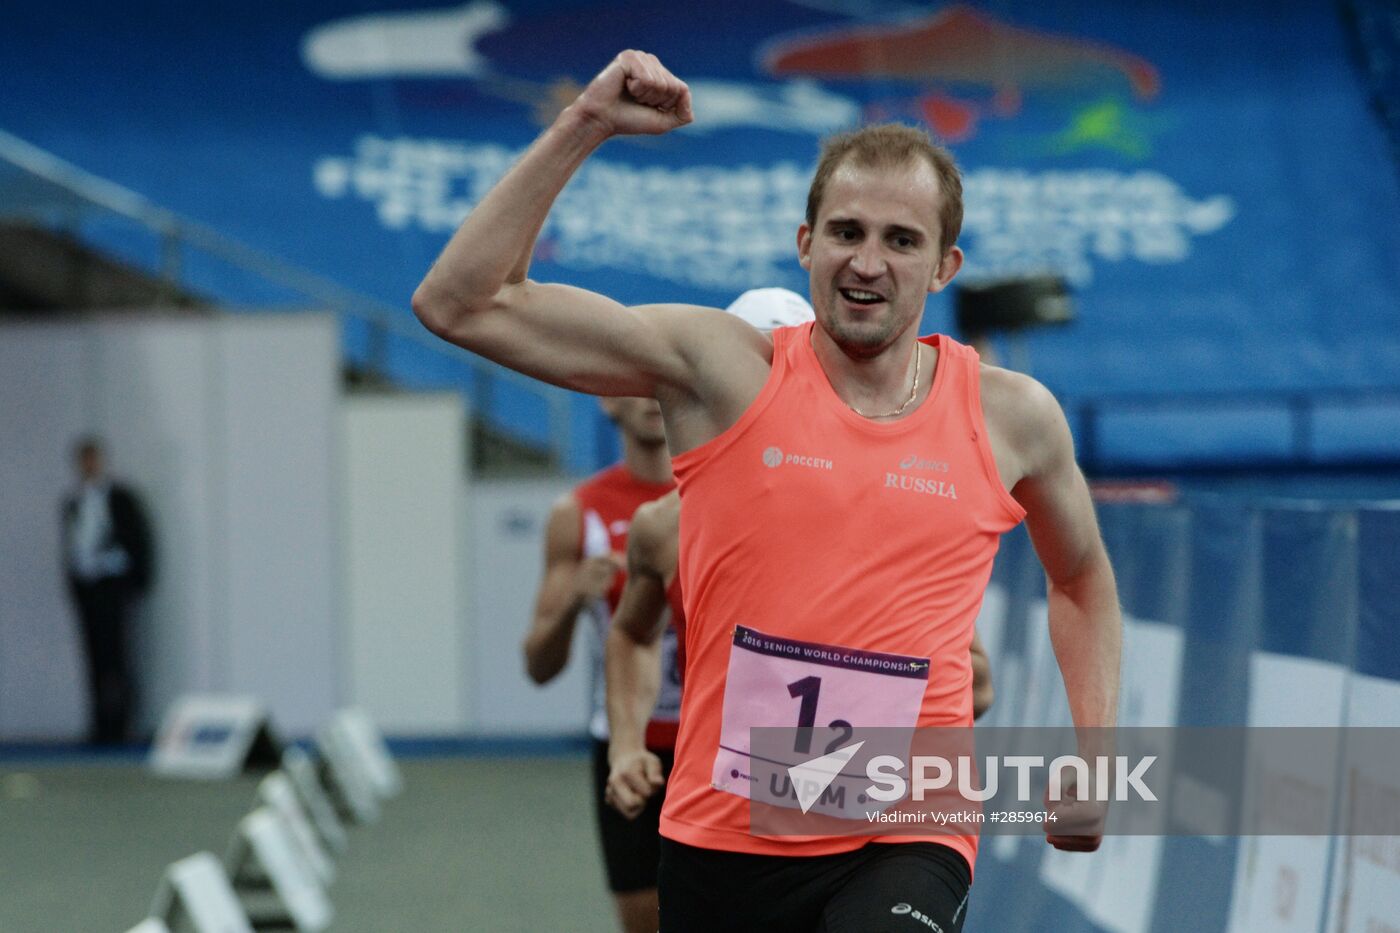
872, 252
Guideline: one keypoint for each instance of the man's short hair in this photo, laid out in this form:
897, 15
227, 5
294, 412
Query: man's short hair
890, 146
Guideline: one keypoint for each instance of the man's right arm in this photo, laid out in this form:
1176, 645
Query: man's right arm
569, 582
477, 295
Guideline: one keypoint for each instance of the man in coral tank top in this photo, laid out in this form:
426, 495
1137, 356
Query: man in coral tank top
843, 488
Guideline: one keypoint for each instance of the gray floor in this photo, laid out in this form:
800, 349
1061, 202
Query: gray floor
470, 845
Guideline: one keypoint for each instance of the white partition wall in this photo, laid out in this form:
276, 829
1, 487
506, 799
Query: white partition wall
281, 391
404, 562
45, 403
226, 426
507, 521
154, 403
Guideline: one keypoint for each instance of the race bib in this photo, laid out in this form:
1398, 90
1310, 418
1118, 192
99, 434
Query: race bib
780, 682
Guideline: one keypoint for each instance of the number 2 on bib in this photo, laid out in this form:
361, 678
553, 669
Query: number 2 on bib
840, 687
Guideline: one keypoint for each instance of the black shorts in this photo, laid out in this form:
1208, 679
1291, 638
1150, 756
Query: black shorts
908, 887
630, 847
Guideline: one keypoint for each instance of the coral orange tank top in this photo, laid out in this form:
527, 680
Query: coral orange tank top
808, 522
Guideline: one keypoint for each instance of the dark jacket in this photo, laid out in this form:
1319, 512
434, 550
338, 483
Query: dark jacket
129, 530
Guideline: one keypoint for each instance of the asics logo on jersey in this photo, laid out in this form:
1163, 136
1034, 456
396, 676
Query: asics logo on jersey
915, 462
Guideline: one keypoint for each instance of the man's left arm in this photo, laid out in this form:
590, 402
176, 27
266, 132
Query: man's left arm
1086, 624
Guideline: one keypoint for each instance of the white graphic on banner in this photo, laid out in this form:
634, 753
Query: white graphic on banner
418, 43
442, 44
1023, 222
791, 106
733, 227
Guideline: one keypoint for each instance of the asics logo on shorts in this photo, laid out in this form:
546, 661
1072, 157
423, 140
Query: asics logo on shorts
903, 908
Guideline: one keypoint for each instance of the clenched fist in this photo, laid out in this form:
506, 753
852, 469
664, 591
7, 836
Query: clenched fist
635, 95
634, 778
595, 575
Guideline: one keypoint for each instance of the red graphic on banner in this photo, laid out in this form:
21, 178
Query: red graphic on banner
964, 48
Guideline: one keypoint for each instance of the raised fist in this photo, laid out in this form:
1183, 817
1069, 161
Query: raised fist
635, 95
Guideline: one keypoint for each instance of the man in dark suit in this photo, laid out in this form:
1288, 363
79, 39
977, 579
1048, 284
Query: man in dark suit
108, 555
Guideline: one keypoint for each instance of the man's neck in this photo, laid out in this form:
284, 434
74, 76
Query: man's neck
878, 383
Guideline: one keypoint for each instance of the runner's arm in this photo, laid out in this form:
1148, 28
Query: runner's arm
634, 640
633, 668
1086, 625
478, 296
982, 692
569, 582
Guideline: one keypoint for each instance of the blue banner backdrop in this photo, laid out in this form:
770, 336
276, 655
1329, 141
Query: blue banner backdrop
1210, 179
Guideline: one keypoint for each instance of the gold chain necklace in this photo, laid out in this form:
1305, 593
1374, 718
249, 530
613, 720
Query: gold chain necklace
918, 361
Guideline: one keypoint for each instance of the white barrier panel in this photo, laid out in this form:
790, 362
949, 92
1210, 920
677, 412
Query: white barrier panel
363, 739
1130, 863
1280, 881
1076, 877
276, 791
302, 772
150, 925
1366, 871
197, 888
353, 791
263, 838
213, 737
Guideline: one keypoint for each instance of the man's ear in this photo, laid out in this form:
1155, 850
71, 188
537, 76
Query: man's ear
804, 247
952, 262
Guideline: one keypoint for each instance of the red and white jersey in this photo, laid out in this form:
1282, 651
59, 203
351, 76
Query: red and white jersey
607, 501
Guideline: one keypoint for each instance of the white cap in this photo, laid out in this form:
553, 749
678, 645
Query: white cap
771, 308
